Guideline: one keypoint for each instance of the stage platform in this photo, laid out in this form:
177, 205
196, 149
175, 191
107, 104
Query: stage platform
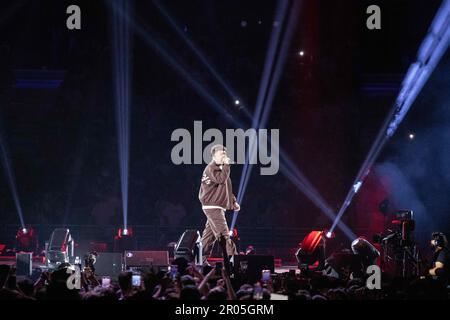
39, 263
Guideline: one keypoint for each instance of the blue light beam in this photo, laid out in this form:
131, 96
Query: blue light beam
429, 54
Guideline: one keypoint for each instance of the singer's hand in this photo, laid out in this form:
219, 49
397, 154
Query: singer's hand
237, 207
226, 160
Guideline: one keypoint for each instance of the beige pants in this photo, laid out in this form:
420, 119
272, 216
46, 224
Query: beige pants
216, 225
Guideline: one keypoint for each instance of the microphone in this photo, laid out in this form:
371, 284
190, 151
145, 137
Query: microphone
230, 161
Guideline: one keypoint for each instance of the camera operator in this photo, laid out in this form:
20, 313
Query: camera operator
441, 258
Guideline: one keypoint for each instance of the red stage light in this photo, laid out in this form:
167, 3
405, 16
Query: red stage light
126, 232
26, 240
311, 241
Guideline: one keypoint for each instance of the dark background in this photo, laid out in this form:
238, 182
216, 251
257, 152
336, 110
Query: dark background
329, 107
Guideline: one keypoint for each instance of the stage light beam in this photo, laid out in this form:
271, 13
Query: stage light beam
429, 54
121, 54
203, 92
200, 55
273, 66
227, 87
7, 166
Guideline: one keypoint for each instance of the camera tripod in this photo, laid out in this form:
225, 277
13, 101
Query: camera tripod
404, 257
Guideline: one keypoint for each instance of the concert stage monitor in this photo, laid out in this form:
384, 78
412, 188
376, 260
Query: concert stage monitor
109, 264
146, 260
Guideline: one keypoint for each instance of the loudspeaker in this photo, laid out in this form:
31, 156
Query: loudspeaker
108, 264
146, 259
124, 243
24, 264
188, 246
98, 246
248, 268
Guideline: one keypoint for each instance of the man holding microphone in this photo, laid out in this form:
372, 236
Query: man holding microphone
216, 196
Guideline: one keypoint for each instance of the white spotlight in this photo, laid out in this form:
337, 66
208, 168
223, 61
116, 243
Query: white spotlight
411, 136
125, 232
356, 186
301, 53
237, 102
328, 235
24, 230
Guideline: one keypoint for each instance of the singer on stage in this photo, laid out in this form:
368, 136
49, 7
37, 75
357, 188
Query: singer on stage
216, 196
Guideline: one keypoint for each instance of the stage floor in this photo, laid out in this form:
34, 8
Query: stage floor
38, 264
